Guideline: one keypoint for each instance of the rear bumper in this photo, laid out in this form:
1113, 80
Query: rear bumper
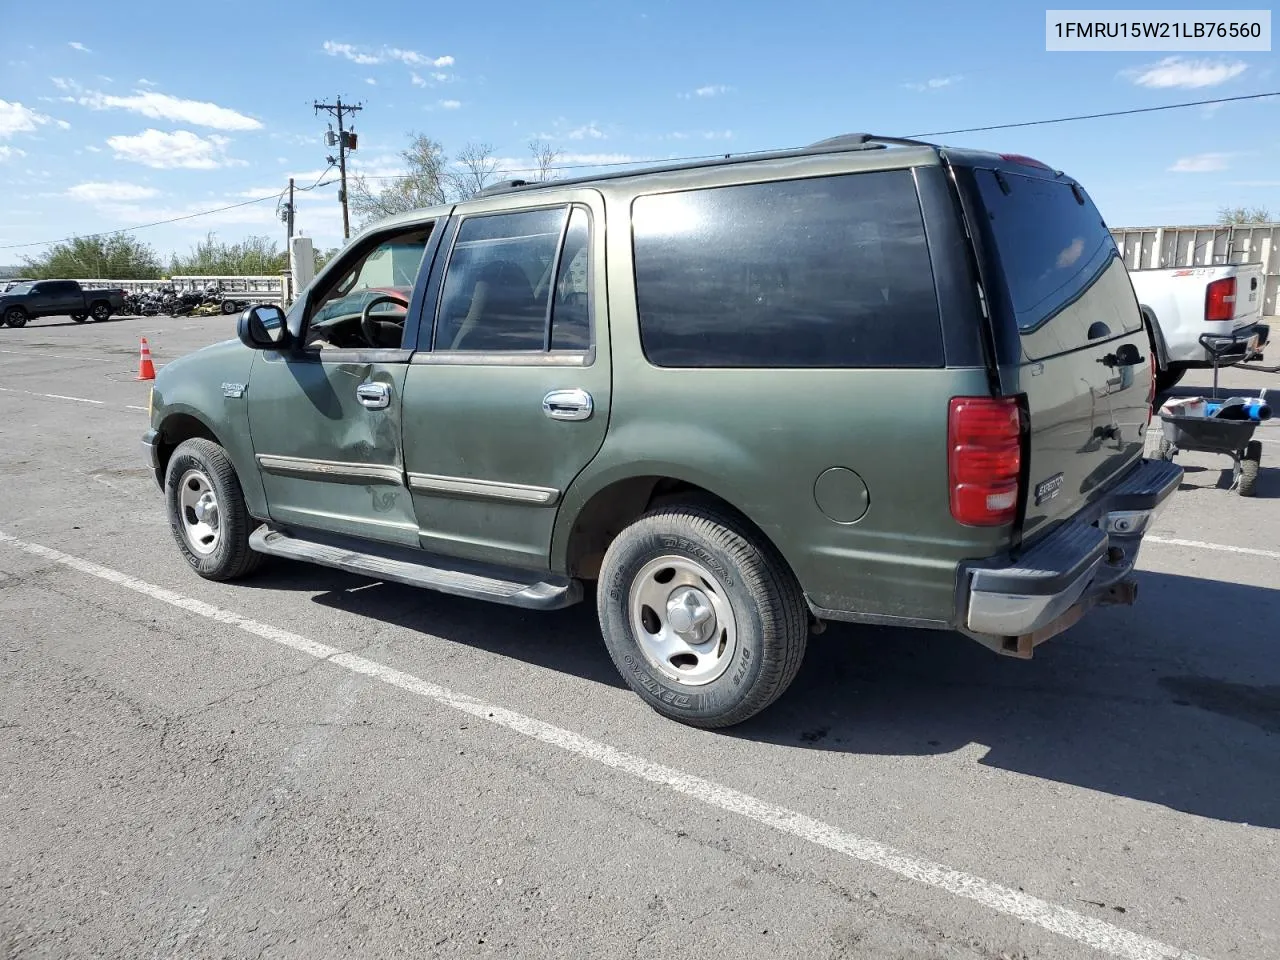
1011, 606
1242, 344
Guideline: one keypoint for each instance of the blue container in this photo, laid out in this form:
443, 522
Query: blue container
1239, 408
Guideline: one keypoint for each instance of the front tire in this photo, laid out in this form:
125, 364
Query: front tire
15, 317
207, 512
701, 616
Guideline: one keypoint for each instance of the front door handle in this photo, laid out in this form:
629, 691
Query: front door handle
375, 396
573, 404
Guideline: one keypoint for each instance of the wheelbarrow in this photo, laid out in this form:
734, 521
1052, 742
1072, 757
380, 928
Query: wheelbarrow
1215, 434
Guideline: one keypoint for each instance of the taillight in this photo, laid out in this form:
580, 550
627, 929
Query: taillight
1220, 299
1151, 390
984, 459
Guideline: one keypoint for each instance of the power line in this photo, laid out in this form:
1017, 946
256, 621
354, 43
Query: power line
1099, 116
143, 226
690, 159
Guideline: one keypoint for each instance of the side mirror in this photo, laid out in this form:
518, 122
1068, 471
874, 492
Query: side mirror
262, 327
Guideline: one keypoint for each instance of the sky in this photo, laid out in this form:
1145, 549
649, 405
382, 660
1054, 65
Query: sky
116, 115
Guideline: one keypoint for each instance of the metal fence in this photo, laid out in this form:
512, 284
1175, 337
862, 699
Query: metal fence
267, 289
1203, 246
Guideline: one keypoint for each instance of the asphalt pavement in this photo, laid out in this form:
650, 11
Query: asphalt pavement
311, 764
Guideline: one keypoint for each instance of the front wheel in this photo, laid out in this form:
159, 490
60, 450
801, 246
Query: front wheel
15, 317
207, 512
701, 616
1250, 464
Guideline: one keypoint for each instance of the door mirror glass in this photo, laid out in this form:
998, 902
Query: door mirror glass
262, 327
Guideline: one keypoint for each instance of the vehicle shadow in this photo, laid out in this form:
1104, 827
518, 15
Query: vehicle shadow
1175, 701
567, 641
1197, 478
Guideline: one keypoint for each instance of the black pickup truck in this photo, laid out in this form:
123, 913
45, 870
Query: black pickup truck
57, 298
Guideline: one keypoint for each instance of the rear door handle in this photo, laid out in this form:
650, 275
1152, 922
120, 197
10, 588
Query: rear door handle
573, 404
375, 396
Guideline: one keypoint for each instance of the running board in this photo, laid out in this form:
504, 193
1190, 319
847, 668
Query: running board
415, 568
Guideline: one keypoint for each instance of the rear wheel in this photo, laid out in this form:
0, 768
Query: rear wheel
1250, 464
100, 311
79, 317
15, 317
1167, 450
701, 616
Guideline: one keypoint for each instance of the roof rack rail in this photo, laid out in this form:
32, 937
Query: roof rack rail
866, 141
501, 186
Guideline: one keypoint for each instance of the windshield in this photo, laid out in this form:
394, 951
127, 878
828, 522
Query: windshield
20, 288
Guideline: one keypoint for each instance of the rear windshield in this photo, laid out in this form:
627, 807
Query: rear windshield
1053, 248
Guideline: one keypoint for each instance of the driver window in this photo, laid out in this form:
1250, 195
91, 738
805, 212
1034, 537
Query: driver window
366, 304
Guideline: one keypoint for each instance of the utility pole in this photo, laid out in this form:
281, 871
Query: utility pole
344, 140
287, 214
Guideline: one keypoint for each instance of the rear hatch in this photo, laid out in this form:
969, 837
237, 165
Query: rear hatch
1063, 306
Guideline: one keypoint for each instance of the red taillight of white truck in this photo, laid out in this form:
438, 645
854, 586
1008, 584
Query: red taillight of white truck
1220, 300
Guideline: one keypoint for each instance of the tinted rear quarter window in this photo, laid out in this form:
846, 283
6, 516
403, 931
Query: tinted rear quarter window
823, 272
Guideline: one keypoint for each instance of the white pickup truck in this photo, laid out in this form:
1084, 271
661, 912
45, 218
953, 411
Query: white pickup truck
1182, 304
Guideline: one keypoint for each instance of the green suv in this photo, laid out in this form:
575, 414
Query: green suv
872, 380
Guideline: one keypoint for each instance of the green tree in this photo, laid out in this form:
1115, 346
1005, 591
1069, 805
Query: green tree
425, 184
115, 256
1235, 215
324, 256
251, 257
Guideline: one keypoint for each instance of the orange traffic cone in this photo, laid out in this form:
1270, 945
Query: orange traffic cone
146, 369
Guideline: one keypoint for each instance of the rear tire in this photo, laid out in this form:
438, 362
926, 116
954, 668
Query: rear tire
1166, 380
207, 512
1166, 450
1250, 464
701, 616
100, 311
79, 317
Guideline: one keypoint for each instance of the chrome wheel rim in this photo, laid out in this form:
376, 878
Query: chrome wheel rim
198, 510
682, 620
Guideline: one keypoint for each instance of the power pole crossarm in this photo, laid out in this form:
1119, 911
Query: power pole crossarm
339, 109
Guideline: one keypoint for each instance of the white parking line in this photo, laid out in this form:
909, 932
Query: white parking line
132, 407
56, 356
1092, 932
58, 396
1222, 547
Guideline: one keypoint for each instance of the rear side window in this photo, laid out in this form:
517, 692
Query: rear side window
1053, 248
824, 272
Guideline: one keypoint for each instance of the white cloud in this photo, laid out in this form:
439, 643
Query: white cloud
594, 158
350, 52
1189, 74
372, 82
710, 90
110, 191
62, 125
161, 106
417, 80
935, 83
180, 149
450, 104
1201, 163
410, 58
92, 149
144, 82
717, 135
76, 45
11, 153
62, 83
442, 77
588, 132
15, 118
